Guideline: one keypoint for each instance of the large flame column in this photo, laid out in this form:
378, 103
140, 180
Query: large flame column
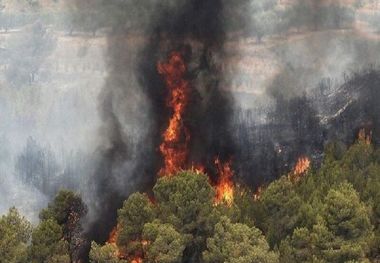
176, 137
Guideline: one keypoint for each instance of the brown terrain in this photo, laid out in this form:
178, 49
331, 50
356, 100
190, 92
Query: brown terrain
254, 63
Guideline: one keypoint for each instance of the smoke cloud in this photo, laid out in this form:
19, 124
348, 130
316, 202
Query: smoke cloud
287, 104
269, 82
133, 103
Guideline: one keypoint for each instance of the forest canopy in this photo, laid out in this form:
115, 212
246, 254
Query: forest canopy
331, 214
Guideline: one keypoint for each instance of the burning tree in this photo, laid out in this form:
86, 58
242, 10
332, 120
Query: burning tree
174, 227
176, 137
330, 215
127, 236
225, 187
300, 169
175, 145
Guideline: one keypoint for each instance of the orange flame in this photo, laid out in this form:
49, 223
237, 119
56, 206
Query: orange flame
137, 260
174, 147
225, 187
198, 169
301, 167
113, 236
112, 239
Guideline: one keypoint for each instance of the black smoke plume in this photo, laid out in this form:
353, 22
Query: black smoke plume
134, 112
133, 109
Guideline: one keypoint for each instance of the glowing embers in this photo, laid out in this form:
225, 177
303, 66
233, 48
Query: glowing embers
112, 240
176, 137
137, 260
225, 187
301, 167
113, 236
137, 256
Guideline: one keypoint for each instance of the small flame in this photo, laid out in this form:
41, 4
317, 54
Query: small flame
137, 260
198, 169
225, 186
113, 236
301, 167
176, 137
365, 137
112, 239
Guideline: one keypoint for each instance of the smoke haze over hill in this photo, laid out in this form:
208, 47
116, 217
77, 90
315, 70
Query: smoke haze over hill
82, 105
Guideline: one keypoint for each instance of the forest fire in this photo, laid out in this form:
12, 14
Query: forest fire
122, 255
225, 187
301, 167
175, 142
112, 240
176, 137
113, 236
190, 131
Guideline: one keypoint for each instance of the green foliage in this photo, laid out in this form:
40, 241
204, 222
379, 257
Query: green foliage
237, 243
332, 214
281, 205
343, 231
66, 210
165, 244
104, 254
185, 201
15, 232
346, 216
340, 209
135, 213
242, 210
64, 204
47, 244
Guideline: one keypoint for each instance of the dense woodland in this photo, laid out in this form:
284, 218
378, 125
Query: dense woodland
331, 214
